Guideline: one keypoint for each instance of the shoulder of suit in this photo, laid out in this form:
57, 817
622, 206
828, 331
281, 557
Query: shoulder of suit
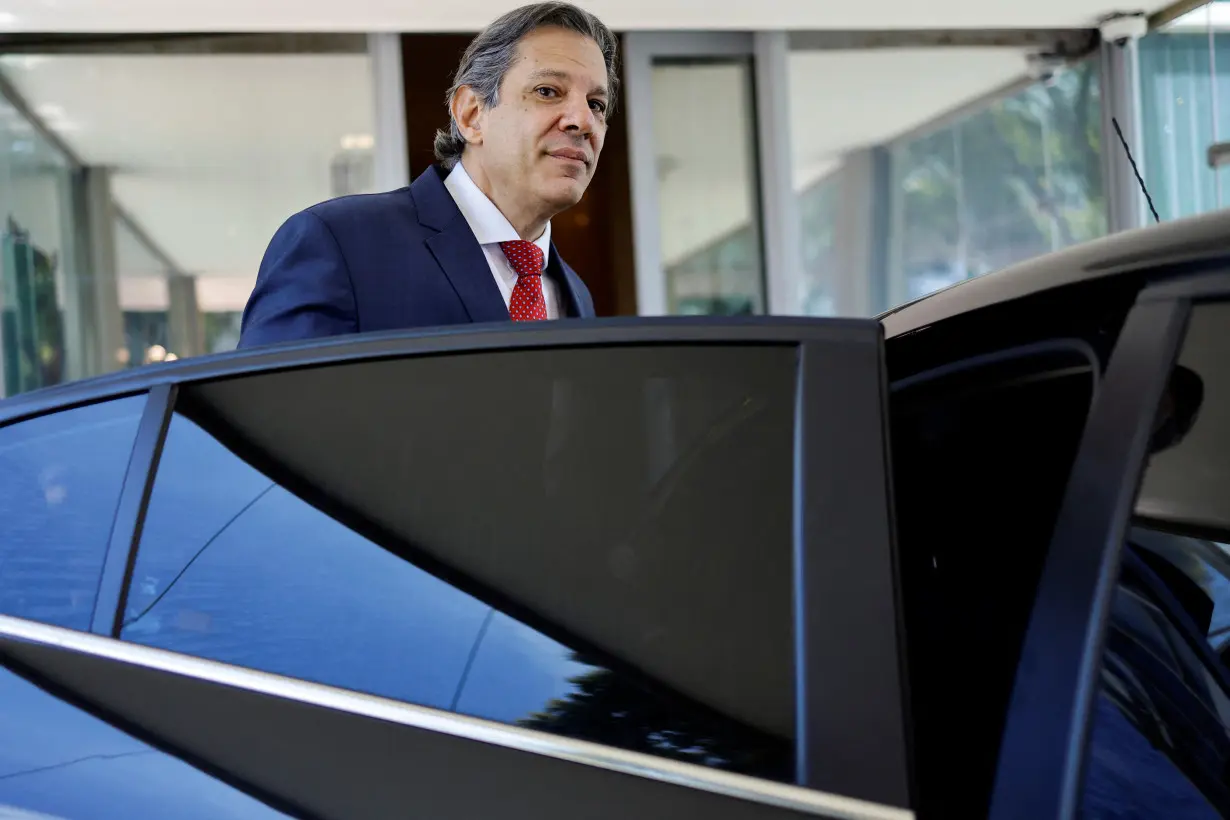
397, 203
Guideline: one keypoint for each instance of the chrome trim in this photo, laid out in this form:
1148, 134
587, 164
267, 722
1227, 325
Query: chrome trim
687, 775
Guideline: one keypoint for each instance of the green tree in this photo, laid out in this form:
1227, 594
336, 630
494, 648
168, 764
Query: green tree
1020, 178
611, 709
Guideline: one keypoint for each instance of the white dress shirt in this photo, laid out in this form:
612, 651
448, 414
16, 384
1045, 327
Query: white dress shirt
491, 228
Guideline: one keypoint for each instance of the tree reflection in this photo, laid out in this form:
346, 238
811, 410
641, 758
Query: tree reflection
608, 708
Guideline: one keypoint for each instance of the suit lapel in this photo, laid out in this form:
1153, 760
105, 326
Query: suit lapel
570, 286
456, 249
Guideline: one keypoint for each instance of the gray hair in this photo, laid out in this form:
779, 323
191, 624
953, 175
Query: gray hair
492, 53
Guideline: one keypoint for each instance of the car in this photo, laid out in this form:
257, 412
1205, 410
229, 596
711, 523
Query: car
965, 559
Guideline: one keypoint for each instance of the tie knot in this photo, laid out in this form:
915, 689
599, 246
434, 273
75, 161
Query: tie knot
525, 257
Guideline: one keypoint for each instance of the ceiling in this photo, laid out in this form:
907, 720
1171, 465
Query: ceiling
1213, 16
471, 15
210, 152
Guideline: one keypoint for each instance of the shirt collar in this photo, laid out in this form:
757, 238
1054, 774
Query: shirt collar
484, 218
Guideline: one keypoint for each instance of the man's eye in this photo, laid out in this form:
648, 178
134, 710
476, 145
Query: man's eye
545, 91
598, 106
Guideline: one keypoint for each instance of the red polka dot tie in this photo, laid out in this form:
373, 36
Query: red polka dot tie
527, 303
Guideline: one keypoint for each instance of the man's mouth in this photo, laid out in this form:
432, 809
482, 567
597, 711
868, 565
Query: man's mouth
571, 154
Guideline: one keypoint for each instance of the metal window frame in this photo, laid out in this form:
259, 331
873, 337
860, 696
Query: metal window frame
641, 48
776, 211
1043, 746
129, 518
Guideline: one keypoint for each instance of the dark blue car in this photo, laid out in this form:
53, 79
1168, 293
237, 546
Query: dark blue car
964, 560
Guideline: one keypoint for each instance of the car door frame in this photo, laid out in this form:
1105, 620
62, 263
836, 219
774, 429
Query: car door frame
1043, 746
864, 714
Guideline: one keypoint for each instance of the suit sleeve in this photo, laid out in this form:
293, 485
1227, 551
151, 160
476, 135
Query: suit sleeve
303, 289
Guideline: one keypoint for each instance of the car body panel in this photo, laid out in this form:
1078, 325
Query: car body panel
1177, 247
1074, 594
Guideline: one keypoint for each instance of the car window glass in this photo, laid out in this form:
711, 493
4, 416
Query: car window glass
236, 567
59, 761
1127, 774
961, 486
1160, 730
241, 570
1187, 479
60, 481
1206, 565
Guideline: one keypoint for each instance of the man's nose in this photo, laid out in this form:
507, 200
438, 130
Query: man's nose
578, 117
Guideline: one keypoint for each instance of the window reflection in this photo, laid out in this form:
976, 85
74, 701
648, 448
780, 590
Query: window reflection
235, 568
1019, 178
60, 481
69, 764
1128, 776
1159, 744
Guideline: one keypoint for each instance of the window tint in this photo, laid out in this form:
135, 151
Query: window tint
60, 481
234, 567
1160, 735
1187, 480
1128, 775
1198, 571
629, 489
981, 456
58, 761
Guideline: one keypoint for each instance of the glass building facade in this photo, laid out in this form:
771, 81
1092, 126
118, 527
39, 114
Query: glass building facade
138, 191
1018, 178
769, 172
1185, 107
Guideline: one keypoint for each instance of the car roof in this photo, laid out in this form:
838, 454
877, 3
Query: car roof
1193, 239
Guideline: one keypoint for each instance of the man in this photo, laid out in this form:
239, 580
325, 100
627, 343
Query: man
470, 239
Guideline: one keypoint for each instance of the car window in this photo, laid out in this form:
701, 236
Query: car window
1187, 479
60, 480
589, 485
1204, 567
1159, 740
981, 457
59, 761
1128, 774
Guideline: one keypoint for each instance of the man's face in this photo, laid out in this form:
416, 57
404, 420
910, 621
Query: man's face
543, 139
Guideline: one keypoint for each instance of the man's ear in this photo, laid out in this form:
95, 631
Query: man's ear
467, 113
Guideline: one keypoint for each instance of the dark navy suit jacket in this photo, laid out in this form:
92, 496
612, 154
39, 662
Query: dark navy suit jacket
387, 261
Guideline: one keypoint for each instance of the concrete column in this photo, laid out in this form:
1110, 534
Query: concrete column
779, 204
392, 157
1125, 203
185, 326
861, 233
93, 323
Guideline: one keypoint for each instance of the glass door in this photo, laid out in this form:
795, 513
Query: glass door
695, 173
